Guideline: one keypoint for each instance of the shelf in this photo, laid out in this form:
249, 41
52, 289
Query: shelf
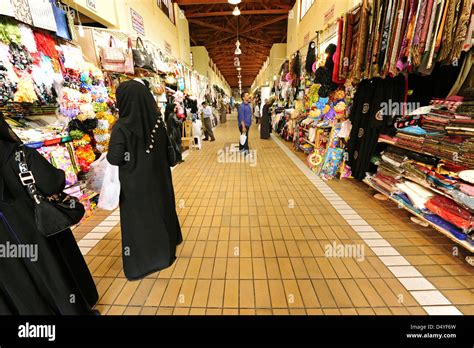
385, 141
448, 234
307, 141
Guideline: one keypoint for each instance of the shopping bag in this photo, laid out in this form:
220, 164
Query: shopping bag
112, 57
97, 173
243, 139
110, 193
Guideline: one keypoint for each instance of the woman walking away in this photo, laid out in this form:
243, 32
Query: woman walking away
52, 278
265, 126
138, 145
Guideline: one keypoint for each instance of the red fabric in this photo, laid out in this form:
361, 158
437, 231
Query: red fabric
450, 211
337, 55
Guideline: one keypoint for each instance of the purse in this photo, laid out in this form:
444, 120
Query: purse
53, 214
112, 57
141, 57
61, 20
128, 64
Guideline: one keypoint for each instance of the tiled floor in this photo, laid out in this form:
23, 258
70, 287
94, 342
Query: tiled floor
256, 240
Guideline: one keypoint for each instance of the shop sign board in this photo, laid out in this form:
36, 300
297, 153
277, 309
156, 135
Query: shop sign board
168, 47
137, 22
329, 14
92, 4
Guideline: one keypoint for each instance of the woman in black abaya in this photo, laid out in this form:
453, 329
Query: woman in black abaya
138, 145
56, 281
265, 126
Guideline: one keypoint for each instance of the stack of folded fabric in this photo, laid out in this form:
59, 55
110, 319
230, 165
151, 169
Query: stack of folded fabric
437, 120
463, 125
418, 194
447, 148
448, 210
411, 141
466, 152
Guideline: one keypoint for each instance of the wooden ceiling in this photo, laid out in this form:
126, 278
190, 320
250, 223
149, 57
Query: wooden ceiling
261, 24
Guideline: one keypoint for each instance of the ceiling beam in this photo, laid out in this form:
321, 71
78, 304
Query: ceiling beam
258, 26
210, 25
242, 12
211, 2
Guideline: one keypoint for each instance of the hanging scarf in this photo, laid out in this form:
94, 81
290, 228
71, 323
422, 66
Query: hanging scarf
441, 27
431, 52
364, 32
385, 36
372, 26
342, 47
420, 48
403, 56
448, 35
337, 54
355, 43
347, 53
414, 51
401, 25
378, 39
461, 30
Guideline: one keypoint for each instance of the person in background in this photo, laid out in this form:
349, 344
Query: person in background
207, 116
244, 119
223, 112
138, 145
265, 126
256, 111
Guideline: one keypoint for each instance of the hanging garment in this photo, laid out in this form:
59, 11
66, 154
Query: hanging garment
337, 54
47, 285
461, 30
403, 57
449, 30
265, 126
138, 145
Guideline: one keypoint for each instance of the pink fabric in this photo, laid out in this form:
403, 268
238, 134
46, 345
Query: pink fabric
467, 189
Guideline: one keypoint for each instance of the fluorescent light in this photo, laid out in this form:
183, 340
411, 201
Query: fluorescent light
234, 2
236, 11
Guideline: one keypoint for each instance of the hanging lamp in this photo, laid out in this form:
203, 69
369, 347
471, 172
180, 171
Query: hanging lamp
236, 11
234, 2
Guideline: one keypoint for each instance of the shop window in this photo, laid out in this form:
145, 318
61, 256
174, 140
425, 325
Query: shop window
167, 7
305, 6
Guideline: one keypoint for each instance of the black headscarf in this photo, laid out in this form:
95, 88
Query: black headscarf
330, 50
6, 133
310, 57
138, 111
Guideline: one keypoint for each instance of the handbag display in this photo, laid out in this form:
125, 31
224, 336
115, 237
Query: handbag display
53, 214
22, 11
112, 58
141, 57
42, 14
61, 20
129, 67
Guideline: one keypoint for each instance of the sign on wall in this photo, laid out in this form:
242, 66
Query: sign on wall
137, 22
168, 47
92, 4
329, 14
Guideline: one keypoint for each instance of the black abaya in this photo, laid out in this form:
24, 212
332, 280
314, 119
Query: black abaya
150, 226
265, 126
58, 282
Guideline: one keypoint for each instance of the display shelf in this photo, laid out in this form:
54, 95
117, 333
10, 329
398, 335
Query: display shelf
308, 142
448, 234
442, 193
385, 141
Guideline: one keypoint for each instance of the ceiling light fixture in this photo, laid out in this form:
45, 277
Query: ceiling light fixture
234, 2
238, 51
239, 68
236, 11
